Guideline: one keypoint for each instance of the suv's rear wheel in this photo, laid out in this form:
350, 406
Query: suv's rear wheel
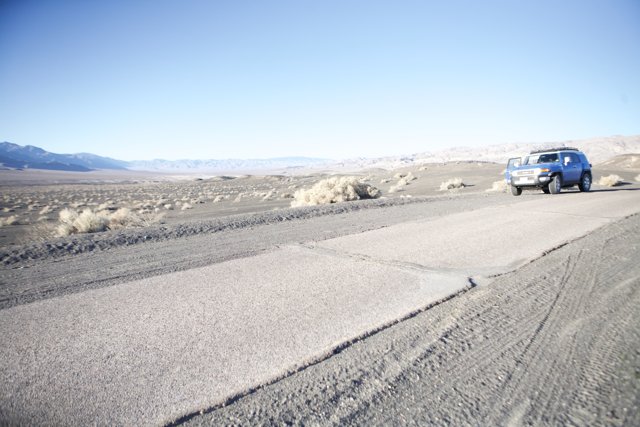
585, 182
555, 185
516, 191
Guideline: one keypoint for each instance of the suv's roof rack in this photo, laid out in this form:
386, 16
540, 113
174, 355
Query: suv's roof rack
546, 150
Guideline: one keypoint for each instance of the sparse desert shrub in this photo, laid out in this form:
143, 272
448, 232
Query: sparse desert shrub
186, 206
399, 175
452, 184
71, 222
123, 218
405, 180
423, 168
499, 187
385, 181
610, 180
107, 206
396, 188
11, 220
269, 195
88, 221
46, 210
334, 190
218, 199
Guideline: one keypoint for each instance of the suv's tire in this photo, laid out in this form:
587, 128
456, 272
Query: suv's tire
585, 182
516, 191
555, 185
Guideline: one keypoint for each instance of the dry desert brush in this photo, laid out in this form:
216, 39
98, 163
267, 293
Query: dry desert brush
452, 184
335, 190
610, 180
498, 187
89, 221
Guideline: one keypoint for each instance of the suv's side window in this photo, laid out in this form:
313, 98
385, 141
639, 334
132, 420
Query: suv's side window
571, 157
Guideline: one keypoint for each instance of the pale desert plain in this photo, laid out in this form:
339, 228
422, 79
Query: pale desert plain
226, 299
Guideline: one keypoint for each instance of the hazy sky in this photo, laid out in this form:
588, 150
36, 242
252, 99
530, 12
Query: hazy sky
255, 79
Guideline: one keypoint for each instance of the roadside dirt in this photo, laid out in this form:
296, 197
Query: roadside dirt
45, 270
556, 342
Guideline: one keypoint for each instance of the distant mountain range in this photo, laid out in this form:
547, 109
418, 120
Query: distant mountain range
29, 157
227, 165
18, 157
598, 150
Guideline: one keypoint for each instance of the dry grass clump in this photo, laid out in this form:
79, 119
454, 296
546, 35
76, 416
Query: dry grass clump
403, 180
610, 180
452, 184
89, 221
269, 195
335, 190
123, 218
72, 222
11, 220
47, 209
499, 187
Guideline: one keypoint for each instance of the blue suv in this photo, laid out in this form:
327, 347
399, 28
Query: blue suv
549, 170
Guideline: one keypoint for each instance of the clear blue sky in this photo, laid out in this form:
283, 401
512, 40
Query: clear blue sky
255, 79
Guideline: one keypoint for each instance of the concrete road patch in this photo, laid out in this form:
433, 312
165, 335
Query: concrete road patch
150, 351
491, 240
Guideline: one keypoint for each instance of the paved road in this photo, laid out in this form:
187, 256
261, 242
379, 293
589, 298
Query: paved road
554, 343
154, 350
